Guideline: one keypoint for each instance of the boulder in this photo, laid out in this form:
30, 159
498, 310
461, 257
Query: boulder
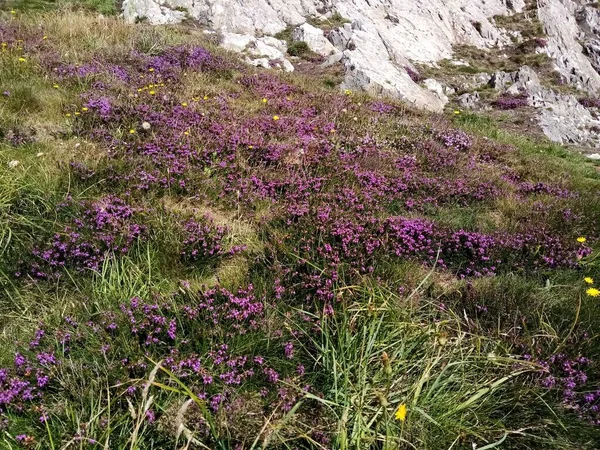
314, 38
469, 100
437, 88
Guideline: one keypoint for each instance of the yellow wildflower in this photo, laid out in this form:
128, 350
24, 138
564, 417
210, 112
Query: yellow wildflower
77, 113
67, 115
132, 131
264, 100
275, 118
150, 69
347, 92
457, 112
206, 97
581, 240
85, 108
184, 104
332, 130
589, 280
593, 292
44, 37
151, 92
13, 11
21, 59
55, 86
401, 413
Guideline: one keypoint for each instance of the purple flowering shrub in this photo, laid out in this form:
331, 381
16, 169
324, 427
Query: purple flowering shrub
108, 226
509, 101
204, 241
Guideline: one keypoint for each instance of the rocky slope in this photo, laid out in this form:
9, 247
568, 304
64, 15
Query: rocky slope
379, 44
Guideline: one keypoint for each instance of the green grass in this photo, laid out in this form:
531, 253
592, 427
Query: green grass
108, 7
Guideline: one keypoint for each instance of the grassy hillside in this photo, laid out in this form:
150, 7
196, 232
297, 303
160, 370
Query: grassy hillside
195, 253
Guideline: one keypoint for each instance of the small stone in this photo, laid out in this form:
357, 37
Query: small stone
146, 126
13, 164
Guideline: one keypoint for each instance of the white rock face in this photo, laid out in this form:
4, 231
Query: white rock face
265, 52
437, 88
381, 39
157, 12
564, 34
315, 39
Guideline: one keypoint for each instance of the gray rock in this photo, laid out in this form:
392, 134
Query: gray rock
595, 156
563, 46
333, 59
236, 42
469, 100
341, 37
518, 81
592, 51
314, 38
437, 88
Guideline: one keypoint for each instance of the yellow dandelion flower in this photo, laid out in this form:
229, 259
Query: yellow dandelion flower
139, 90
347, 92
44, 37
67, 115
132, 131
251, 147
206, 97
150, 69
4, 44
593, 292
186, 133
13, 11
457, 112
401, 413
151, 92
264, 100
77, 113
589, 280
150, 86
581, 240
85, 109
276, 118
55, 86
332, 131
21, 59
184, 104
196, 99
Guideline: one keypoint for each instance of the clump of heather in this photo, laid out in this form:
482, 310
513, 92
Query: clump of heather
509, 101
590, 102
414, 75
204, 241
108, 226
573, 379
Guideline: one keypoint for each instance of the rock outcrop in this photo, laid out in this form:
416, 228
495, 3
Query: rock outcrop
378, 43
382, 38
